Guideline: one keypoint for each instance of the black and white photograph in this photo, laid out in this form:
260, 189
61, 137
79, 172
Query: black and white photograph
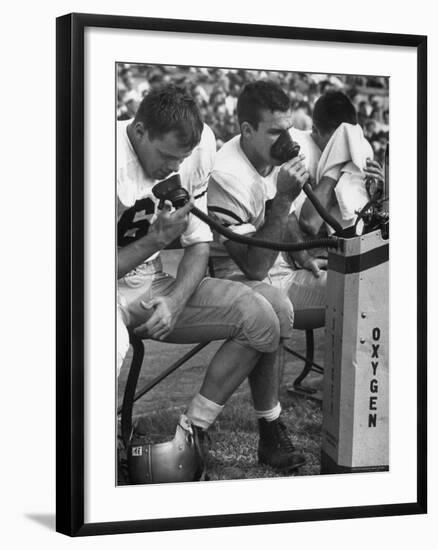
252, 275
230, 307
219, 232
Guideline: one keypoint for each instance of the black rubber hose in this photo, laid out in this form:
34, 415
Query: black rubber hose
329, 242
328, 218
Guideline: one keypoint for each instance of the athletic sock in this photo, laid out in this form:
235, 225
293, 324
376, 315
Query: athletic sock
270, 414
202, 412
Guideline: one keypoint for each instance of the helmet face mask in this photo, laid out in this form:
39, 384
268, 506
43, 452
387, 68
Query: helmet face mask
170, 462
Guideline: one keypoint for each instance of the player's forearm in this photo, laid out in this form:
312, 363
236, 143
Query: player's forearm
295, 235
134, 254
254, 261
191, 270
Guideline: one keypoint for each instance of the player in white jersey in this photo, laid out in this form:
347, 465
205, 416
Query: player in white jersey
248, 190
167, 136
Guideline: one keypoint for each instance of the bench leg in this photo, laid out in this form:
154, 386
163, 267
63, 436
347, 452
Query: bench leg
309, 365
131, 385
310, 353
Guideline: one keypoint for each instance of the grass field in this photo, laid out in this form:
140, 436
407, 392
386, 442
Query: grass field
234, 435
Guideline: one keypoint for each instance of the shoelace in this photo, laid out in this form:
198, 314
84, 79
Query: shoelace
202, 441
202, 435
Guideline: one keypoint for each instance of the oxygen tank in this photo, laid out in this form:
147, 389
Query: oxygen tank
355, 430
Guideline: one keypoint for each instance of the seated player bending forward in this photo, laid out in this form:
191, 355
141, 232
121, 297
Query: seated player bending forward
167, 136
339, 161
252, 193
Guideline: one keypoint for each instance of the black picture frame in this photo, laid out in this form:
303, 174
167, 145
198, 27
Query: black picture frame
70, 273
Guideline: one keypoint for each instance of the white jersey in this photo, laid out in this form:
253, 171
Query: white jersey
134, 187
237, 193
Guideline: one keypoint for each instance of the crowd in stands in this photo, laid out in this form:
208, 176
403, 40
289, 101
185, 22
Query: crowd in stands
216, 91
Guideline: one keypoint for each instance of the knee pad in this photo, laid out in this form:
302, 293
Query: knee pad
258, 321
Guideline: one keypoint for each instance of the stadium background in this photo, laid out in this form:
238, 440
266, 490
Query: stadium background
216, 91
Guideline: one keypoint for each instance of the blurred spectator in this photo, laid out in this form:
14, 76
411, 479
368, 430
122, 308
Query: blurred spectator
385, 122
132, 95
231, 98
200, 96
370, 130
363, 112
301, 118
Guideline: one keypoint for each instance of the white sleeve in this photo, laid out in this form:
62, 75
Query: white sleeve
197, 231
227, 200
196, 174
228, 207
